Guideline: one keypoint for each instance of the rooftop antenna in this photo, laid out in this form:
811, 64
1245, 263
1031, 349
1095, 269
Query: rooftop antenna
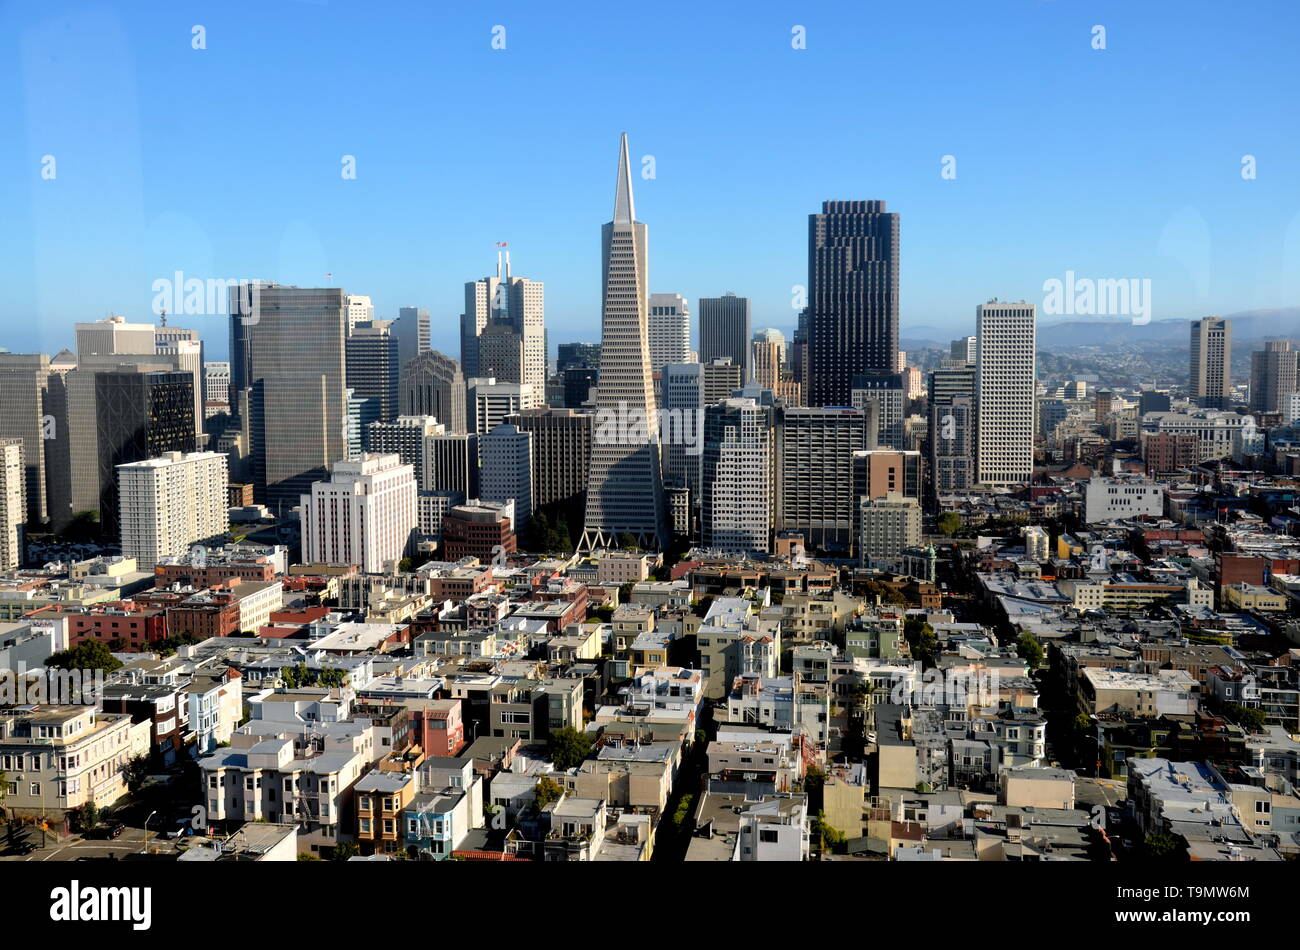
163, 316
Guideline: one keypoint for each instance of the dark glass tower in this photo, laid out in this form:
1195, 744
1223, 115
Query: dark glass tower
852, 297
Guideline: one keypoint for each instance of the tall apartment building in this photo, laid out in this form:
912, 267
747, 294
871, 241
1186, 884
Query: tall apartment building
1209, 370
887, 526
373, 365
432, 384
506, 470
13, 503
853, 297
561, 453
1273, 376
669, 330
24, 386
625, 491
1004, 392
170, 503
736, 484
725, 331
292, 350
365, 514
814, 472
412, 330
513, 304
951, 440
492, 399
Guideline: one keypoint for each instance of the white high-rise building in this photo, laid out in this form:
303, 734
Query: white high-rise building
171, 503
216, 386
1006, 336
359, 310
364, 515
736, 499
669, 330
114, 337
13, 503
505, 473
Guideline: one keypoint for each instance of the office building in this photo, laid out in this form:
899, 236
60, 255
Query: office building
432, 384
814, 473
1004, 392
506, 471
625, 499
669, 330
412, 331
683, 407
888, 526
561, 453
1273, 376
962, 350
951, 438
577, 354
365, 514
580, 384
515, 307
451, 462
171, 503
404, 437
491, 400
295, 355
886, 391
1209, 370
113, 336
725, 331
853, 297
722, 377
359, 310
24, 385
768, 353
373, 367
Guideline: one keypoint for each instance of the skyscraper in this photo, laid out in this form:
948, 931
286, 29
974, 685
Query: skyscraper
669, 330
404, 437
853, 297
1272, 376
1004, 392
296, 372
433, 385
412, 329
768, 349
506, 472
186, 346
491, 400
962, 350
561, 452
373, 365
513, 307
360, 310
24, 384
725, 331
814, 472
625, 493
1209, 367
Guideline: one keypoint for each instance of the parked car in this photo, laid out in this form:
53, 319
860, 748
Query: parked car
111, 829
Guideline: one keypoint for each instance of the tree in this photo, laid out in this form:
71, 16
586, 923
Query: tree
830, 836
949, 523
90, 655
1163, 847
546, 791
920, 638
1030, 650
1252, 720
344, 850
569, 747
87, 816
134, 772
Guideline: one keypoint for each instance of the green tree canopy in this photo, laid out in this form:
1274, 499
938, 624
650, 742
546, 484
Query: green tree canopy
546, 791
569, 747
88, 655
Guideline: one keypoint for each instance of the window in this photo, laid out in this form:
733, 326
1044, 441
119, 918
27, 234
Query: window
767, 837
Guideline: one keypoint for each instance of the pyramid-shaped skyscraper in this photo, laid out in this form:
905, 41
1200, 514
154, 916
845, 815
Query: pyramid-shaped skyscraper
625, 496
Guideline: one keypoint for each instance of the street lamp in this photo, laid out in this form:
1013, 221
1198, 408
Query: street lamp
144, 848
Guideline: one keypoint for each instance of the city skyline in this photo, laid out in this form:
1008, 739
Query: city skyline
1178, 212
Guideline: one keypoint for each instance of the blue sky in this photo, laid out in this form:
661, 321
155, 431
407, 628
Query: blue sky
225, 162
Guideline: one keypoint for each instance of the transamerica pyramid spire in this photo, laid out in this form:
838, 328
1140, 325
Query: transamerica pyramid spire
625, 500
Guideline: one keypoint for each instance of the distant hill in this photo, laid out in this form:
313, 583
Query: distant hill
1247, 325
